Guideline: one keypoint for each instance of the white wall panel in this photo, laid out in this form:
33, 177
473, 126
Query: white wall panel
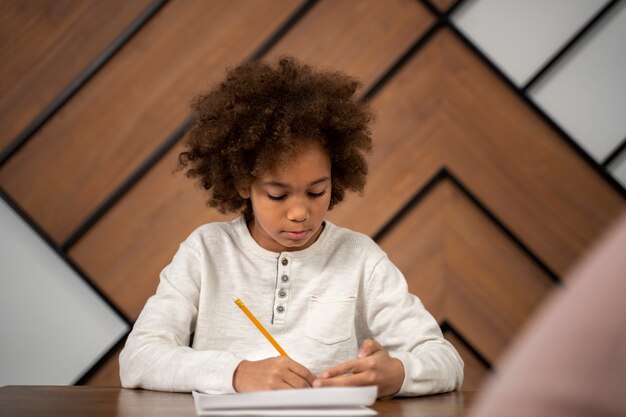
586, 92
520, 36
53, 326
618, 168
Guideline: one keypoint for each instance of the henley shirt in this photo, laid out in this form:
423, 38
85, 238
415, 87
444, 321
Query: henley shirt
319, 303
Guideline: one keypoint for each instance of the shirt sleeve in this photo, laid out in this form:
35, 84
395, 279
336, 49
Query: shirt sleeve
399, 322
157, 354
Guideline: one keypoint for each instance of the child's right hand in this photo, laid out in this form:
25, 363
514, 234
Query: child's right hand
272, 373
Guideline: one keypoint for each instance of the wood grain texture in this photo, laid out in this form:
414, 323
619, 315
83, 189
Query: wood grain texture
474, 372
465, 270
45, 45
62, 401
126, 250
360, 38
117, 120
436, 113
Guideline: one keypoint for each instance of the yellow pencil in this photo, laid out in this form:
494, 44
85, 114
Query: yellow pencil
259, 326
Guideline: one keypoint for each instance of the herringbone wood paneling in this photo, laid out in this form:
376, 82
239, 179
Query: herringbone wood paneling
361, 38
479, 247
465, 269
447, 108
123, 114
127, 249
44, 45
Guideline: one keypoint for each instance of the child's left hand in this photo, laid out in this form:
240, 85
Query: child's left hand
373, 366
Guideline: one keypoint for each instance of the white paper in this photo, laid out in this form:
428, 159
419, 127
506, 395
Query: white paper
292, 412
339, 401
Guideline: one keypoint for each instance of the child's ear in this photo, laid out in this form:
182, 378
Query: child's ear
243, 192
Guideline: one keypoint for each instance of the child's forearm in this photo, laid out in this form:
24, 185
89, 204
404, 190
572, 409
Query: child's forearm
431, 370
164, 366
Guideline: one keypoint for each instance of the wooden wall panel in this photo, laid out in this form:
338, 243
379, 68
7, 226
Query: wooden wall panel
436, 113
361, 38
125, 252
44, 46
124, 255
486, 286
117, 120
475, 372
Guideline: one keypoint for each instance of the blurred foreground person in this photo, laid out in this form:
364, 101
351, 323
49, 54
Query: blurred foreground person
571, 360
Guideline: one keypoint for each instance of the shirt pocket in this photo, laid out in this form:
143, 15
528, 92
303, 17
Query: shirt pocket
330, 320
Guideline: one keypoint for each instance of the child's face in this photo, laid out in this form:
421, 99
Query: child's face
289, 202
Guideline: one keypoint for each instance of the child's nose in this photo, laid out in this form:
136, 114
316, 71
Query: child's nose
298, 211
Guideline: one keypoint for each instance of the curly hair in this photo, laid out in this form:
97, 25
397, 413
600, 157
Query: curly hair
258, 116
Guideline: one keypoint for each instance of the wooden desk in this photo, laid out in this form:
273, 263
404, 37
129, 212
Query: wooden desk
51, 401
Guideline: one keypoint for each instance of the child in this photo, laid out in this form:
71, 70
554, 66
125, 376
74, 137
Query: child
281, 145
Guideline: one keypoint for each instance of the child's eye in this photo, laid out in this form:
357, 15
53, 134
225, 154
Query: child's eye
317, 195
276, 197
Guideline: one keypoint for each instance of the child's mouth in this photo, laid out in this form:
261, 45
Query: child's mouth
297, 235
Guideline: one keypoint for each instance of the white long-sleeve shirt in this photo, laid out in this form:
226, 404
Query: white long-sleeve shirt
319, 304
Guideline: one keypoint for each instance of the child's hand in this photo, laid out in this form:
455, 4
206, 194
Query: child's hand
272, 373
374, 366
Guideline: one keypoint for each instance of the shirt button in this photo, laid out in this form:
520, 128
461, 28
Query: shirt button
284, 278
282, 293
285, 261
280, 309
